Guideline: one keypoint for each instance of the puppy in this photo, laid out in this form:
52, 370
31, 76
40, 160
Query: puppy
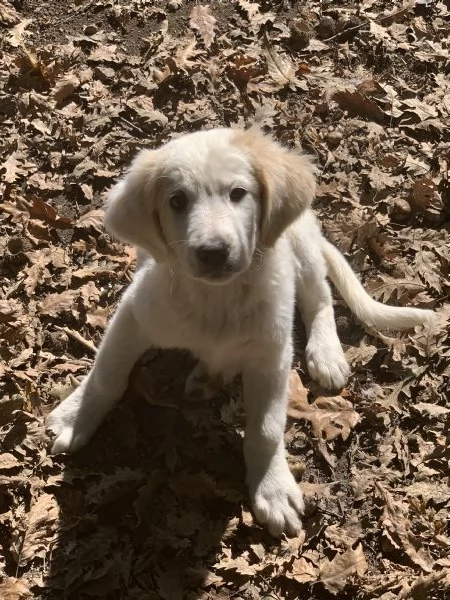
227, 242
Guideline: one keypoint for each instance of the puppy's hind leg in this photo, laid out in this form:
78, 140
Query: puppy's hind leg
325, 357
75, 420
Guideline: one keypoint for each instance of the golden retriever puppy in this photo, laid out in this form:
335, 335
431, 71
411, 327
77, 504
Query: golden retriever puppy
228, 241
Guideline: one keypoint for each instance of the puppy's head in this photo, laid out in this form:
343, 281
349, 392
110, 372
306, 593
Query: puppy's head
208, 199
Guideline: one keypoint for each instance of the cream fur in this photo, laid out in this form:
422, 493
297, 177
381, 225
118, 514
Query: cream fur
235, 320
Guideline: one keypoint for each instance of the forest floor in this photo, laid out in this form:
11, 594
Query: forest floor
156, 506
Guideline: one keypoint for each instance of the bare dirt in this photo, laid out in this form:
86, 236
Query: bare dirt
156, 506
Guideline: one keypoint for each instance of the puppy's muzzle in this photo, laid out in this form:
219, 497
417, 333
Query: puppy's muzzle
213, 256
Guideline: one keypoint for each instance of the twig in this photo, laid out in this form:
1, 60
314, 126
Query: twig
133, 126
360, 25
79, 338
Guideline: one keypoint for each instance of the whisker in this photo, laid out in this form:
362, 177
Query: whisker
181, 242
258, 260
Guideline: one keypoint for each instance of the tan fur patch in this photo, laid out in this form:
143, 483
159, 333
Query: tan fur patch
286, 180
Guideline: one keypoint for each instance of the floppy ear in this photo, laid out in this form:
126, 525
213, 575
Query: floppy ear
286, 179
130, 209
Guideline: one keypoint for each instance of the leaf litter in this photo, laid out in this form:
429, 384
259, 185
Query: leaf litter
152, 512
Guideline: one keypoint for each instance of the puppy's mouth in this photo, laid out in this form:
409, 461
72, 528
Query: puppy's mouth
217, 277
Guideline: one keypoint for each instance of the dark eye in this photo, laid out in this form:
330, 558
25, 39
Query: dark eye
237, 194
178, 201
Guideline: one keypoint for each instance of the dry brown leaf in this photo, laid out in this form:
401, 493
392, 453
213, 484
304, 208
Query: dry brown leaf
54, 304
424, 191
303, 571
281, 69
8, 461
44, 211
16, 36
431, 410
143, 107
395, 287
397, 532
203, 21
14, 589
8, 14
185, 54
330, 417
104, 54
240, 564
416, 166
92, 218
250, 8
336, 573
41, 526
360, 355
98, 317
358, 104
10, 167
65, 87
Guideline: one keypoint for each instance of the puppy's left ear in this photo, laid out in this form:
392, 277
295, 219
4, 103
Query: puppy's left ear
286, 180
131, 211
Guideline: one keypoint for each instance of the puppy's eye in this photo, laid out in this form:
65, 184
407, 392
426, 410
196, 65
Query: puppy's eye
237, 194
178, 201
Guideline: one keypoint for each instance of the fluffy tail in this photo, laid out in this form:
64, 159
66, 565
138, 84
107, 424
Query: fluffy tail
361, 304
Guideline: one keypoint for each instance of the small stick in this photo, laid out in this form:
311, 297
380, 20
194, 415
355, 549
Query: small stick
79, 338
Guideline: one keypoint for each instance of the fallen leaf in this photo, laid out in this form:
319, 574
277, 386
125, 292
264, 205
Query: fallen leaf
303, 571
44, 211
8, 14
336, 573
330, 417
92, 218
8, 461
397, 532
16, 36
14, 589
54, 304
42, 523
250, 8
65, 87
431, 410
203, 21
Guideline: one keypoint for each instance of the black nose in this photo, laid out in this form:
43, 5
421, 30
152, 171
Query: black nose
213, 255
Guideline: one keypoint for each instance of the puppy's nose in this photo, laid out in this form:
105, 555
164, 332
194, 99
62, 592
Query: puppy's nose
213, 255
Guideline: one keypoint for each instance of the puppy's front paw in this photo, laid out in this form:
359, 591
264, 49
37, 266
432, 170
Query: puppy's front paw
73, 422
277, 500
327, 363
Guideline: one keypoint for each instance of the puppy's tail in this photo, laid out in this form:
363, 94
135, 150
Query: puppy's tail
361, 304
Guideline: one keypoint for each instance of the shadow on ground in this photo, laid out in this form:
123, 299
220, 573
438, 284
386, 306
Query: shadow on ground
146, 504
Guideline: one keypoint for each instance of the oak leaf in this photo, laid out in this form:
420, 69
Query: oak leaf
203, 21
330, 417
335, 574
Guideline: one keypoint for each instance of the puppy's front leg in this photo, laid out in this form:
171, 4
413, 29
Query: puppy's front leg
324, 355
75, 420
275, 495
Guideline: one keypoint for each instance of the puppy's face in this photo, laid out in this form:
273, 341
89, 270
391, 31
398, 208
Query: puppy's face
209, 207
207, 199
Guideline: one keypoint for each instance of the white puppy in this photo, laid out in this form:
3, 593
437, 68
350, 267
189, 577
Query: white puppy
224, 218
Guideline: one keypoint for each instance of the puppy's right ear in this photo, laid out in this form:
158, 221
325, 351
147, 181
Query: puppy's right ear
131, 212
